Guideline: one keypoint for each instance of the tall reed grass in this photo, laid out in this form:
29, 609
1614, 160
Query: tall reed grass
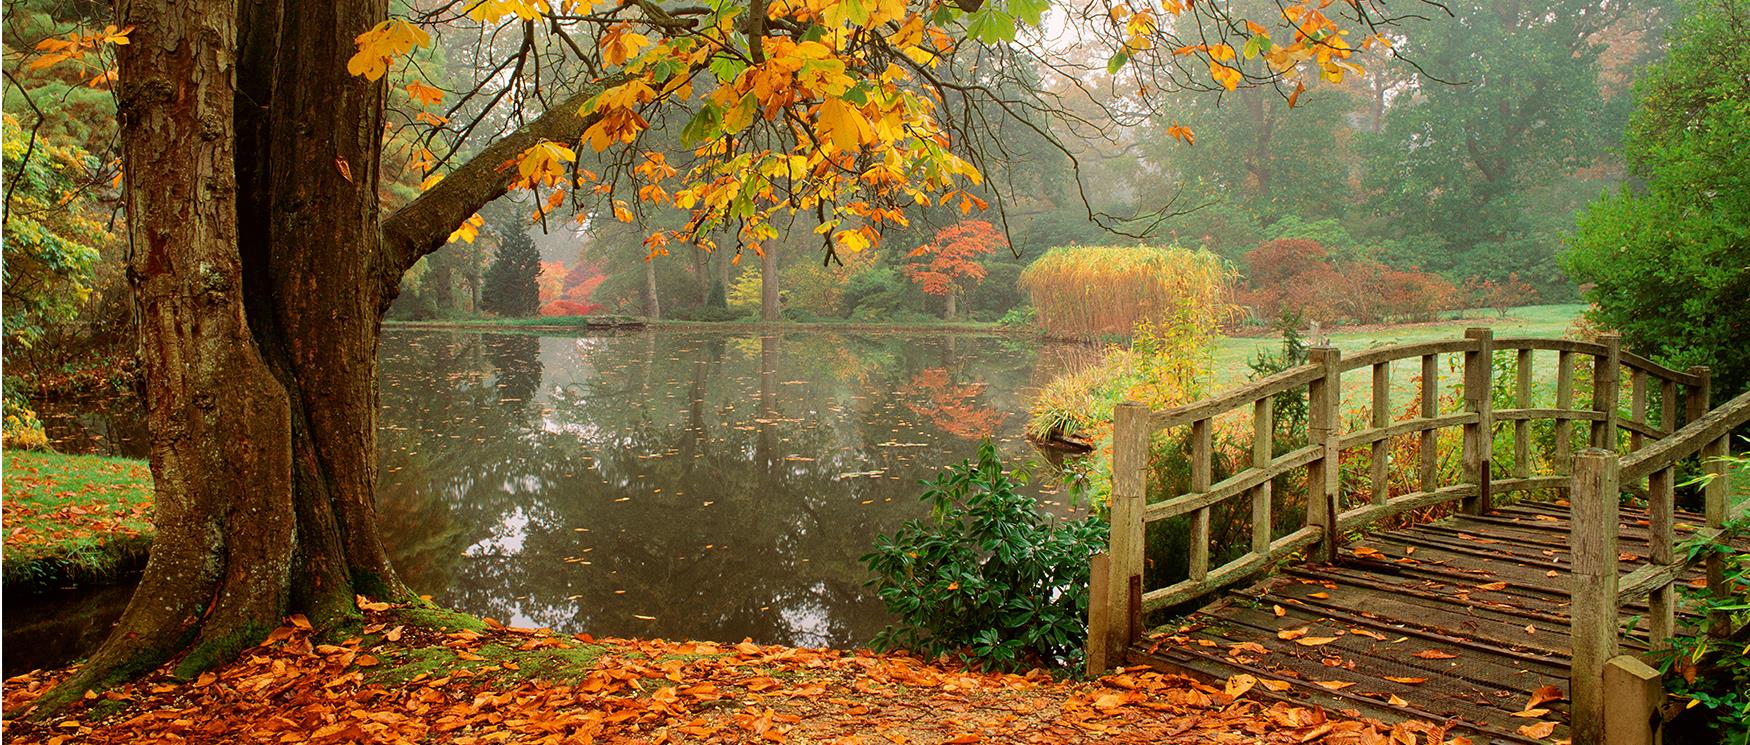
1092, 292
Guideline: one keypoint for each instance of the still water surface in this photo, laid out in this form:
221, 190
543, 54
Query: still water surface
677, 484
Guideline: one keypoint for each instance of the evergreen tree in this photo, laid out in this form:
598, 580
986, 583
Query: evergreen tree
511, 288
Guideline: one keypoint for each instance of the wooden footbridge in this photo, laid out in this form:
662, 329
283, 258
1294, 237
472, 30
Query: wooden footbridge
1504, 571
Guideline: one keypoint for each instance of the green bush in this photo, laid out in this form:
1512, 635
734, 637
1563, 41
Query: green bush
988, 576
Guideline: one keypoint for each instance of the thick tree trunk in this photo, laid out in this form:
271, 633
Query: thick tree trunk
221, 446
953, 305
262, 274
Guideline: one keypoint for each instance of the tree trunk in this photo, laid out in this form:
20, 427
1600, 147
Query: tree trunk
262, 273
652, 307
218, 570
769, 284
952, 308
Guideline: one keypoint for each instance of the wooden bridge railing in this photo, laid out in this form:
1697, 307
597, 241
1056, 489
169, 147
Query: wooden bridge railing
1599, 476
1119, 598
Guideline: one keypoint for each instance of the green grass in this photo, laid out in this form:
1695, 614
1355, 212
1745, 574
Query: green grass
73, 519
1231, 354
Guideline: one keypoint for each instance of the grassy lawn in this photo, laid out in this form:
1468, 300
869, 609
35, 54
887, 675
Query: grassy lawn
1232, 354
73, 518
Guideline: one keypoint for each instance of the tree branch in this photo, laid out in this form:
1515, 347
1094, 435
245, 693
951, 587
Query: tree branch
423, 225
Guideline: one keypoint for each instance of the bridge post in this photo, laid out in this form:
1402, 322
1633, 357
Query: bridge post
1606, 380
1130, 436
1323, 478
1695, 399
1479, 437
1593, 496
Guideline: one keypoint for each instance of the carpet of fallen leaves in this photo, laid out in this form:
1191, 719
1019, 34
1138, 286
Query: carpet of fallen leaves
292, 688
57, 503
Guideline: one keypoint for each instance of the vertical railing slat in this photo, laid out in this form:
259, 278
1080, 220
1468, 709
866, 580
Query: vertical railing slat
1593, 625
1695, 398
1200, 479
1714, 509
1430, 439
1606, 379
1381, 453
1324, 397
1667, 406
1479, 435
1522, 426
1263, 450
1637, 406
1662, 602
1564, 455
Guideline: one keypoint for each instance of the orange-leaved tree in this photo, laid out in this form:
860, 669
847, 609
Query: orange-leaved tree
948, 265
254, 145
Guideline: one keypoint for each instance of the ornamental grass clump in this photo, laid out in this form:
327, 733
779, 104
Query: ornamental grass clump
1092, 292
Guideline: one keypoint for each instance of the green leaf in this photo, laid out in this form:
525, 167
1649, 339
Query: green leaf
705, 126
1031, 12
1117, 62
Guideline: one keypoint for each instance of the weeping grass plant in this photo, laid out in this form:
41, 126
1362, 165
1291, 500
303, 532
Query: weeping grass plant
1093, 292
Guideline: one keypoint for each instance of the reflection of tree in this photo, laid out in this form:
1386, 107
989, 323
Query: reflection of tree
516, 358
726, 486
953, 408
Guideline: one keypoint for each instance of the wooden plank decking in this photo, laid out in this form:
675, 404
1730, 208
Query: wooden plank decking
1469, 614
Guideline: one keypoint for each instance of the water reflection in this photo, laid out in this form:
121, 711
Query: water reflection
676, 484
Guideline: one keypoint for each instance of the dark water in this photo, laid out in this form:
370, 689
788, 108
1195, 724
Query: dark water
677, 484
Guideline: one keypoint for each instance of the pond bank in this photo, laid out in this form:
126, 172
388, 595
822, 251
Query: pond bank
633, 323
74, 519
417, 674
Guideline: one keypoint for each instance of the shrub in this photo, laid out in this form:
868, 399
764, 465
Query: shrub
1714, 674
1088, 292
1296, 275
988, 577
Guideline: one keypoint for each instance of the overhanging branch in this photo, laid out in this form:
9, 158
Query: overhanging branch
423, 225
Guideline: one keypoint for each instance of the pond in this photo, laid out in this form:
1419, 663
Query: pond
678, 484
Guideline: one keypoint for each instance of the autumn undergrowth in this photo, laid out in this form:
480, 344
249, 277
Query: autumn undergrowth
73, 519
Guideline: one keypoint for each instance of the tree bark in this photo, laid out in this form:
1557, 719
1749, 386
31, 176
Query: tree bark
217, 571
952, 305
262, 272
652, 306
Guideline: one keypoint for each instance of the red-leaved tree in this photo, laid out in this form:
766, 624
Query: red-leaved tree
948, 265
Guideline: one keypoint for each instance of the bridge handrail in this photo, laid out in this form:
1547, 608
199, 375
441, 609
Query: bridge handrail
1599, 592
1121, 598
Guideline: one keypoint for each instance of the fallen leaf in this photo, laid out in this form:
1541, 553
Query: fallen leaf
1315, 641
1319, 595
1543, 695
1276, 685
1493, 586
1435, 654
1406, 681
1335, 685
1238, 684
1277, 609
1531, 713
1291, 634
1538, 731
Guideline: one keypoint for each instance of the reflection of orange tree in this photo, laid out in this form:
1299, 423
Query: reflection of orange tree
952, 407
